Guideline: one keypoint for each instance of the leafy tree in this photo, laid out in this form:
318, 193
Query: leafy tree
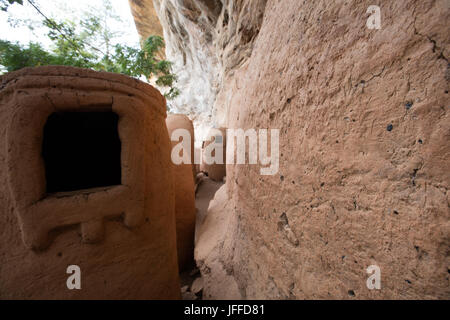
73, 46
15, 56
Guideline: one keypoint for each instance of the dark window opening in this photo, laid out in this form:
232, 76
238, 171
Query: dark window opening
81, 150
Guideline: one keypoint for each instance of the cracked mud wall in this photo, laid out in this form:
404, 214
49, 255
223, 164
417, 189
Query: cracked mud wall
364, 143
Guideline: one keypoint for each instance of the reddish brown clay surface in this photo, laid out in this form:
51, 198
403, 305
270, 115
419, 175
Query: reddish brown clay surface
215, 171
122, 237
184, 194
364, 154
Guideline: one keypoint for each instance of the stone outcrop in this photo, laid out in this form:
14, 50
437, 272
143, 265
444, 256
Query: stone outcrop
364, 168
207, 40
121, 233
211, 243
145, 18
364, 130
183, 175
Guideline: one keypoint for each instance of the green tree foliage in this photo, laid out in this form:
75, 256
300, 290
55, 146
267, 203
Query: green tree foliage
73, 46
15, 56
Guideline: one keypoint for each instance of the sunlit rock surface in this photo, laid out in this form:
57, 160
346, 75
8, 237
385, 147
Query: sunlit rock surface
145, 18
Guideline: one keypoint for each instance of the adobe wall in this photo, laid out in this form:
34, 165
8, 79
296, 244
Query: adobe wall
215, 171
184, 183
122, 237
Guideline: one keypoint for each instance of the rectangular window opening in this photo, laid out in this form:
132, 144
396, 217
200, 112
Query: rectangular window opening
81, 150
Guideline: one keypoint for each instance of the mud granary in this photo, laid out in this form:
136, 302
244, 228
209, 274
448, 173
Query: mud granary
86, 180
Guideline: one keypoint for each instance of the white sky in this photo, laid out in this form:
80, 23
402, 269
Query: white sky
61, 9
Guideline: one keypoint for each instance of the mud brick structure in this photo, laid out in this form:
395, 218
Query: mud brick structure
184, 194
215, 171
85, 180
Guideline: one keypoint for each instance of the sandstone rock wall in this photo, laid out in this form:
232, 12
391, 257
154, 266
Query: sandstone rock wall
364, 131
218, 282
145, 18
206, 40
364, 141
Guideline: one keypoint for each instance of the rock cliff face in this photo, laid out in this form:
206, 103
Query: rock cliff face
207, 40
364, 142
146, 19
